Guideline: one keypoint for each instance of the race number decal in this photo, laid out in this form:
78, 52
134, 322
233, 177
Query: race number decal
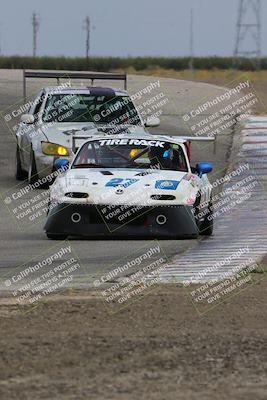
121, 182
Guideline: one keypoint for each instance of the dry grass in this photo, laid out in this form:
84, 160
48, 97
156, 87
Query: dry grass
216, 77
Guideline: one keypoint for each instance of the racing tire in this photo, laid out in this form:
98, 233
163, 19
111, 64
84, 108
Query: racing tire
56, 236
32, 173
20, 174
207, 224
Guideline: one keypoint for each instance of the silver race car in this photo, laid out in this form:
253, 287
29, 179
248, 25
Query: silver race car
131, 185
59, 112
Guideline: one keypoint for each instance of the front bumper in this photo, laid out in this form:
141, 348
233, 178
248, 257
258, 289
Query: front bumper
121, 221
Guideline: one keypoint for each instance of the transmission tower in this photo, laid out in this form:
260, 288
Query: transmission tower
248, 28
35, 27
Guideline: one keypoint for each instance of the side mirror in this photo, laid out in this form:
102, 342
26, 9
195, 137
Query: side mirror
61, 164
204, 168
27, 118
152, 122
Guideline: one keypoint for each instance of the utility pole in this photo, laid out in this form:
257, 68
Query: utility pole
191, 62
248, 27
35, 28
0, 39
88, 31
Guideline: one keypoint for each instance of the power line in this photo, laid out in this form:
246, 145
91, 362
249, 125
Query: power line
248, 26
35, 28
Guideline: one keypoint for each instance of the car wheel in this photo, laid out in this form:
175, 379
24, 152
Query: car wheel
56, 236
32, 173
207, 224
20, 174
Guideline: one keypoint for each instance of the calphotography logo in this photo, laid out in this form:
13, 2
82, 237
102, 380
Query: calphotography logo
133, 277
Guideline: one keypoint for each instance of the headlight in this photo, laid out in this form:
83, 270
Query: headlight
53, 149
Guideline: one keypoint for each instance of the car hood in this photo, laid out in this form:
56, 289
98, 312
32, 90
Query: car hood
125, 186
61, 133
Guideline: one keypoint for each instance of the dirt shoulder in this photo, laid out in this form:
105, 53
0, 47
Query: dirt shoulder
158, 348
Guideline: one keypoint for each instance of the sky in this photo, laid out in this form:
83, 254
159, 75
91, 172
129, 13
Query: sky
122, 27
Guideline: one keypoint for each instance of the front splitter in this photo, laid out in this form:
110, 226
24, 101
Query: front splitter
121, 221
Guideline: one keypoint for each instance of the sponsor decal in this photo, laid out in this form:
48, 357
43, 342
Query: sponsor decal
193, 181
114, 182
167, 185
131, 142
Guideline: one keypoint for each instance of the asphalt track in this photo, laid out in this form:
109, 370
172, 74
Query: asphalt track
96, 256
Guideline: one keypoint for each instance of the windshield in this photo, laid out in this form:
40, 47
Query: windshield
103, 109
131, 153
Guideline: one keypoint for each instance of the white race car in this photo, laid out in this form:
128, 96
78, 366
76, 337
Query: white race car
131, 185
59, 112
